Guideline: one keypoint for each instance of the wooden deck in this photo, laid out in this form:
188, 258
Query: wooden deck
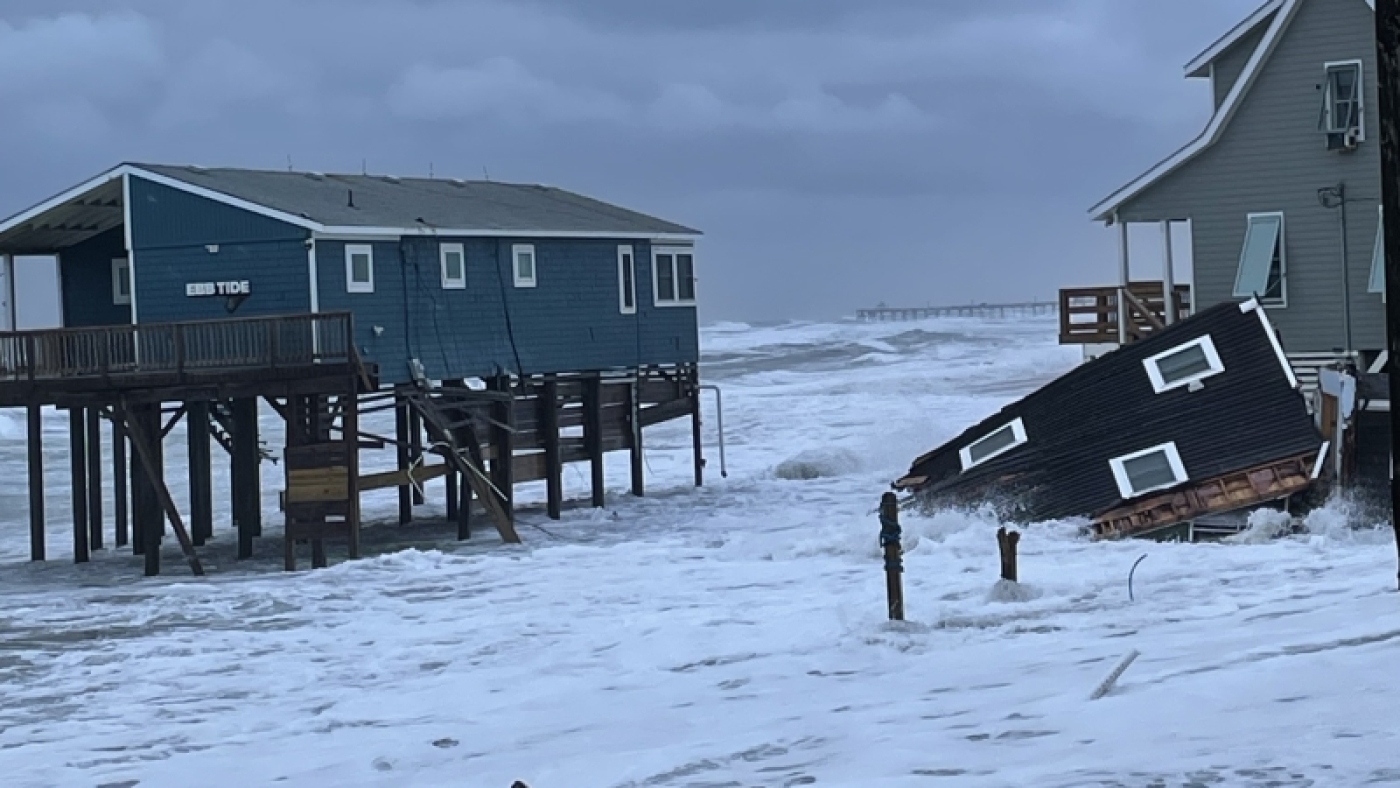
1089, 315
49, 366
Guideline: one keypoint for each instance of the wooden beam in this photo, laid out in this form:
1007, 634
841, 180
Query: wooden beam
94, 477
350, 429
141, 443
175, 417
403, 477
120, 472
553, 468
200, 470
247, 486
634, 421
593, 437
415, 448
36, 483
77, 454
401, 447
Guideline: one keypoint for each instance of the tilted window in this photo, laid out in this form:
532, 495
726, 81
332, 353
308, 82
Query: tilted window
1263, 263
359, 268
454, 266
673, 276
523, 257
626, 280
993, 444
1343, 104
1377, 283
1184, 365
1149, 470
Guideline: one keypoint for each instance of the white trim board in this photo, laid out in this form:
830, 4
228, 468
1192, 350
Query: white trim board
1239, 31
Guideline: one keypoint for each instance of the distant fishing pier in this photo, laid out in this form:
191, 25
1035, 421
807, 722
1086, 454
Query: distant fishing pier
882, 313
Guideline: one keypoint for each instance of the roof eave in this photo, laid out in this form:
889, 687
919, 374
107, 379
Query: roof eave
1200, 64
1105, 209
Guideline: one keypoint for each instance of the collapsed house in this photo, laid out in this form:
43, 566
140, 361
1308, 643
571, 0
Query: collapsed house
1200, 418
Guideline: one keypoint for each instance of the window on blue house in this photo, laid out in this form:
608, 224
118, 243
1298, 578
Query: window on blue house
359, 268
626, 280
121, 281
673, 276
523, 257
454, 266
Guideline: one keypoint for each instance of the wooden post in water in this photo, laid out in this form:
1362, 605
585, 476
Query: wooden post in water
415, 443
890, 540
120, 473
634, 425
401, 449
201, 481
1388, 80
247, 485
553, 468
503, 438
1006, 545
36, 483
77, 453
94, 477
696, 442
593, 436
143, 444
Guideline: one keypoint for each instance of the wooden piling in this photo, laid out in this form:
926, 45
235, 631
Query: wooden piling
502, 437
120, 473
463, 493
415, 450
349, 432
36, 483
144, 447
593, 437
891, 542
77, 453
549, 432
247, 484
94, 477
200, 470
696, 443
401, 447
148, 519
1006, 545
634, 424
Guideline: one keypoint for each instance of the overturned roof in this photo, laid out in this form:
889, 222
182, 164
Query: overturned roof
1214, 394
334, 203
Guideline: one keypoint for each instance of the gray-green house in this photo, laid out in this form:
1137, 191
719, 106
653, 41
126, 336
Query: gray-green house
1282, 189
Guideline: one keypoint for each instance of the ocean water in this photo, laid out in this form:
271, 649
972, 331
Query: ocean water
732, 635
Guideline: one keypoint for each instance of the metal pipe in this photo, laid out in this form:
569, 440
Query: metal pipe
1123, 277
1346, 268
1168, 276
719, 421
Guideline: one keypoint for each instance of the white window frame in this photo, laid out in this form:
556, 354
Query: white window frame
352, 286
525, 281
1018, 431
451, 282
1376, 284
656, 252
626, 264
1160, 384
1330, 127
1281, 244
1125, 485
121, 273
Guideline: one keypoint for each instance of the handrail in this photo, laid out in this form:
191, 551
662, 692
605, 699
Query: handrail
179, 348
1089, 315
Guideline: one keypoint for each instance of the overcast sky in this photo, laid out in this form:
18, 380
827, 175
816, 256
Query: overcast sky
836, 153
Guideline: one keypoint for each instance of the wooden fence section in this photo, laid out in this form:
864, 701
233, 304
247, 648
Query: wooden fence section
146, 354
1089, 315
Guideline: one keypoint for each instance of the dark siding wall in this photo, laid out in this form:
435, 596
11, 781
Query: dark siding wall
85, 271
171, 231
1273, 158
570, 321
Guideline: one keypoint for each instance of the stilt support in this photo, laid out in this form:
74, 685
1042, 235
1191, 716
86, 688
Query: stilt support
402, 448
553, 465
247, 485
94, 477
36, 483
120, 477
634, 422
143, 445
201, 481
77, 453
593, 437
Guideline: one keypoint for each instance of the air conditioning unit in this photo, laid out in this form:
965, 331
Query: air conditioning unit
1352, 138
1344, 141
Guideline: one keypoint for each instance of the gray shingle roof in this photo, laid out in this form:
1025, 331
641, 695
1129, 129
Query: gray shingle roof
385, 201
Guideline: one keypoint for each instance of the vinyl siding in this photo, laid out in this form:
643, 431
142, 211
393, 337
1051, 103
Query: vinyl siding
1272, 157
1230, 64
85, 274
571, 320
172, 232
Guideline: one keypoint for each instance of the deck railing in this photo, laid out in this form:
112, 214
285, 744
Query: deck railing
283, 341
1089, 315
